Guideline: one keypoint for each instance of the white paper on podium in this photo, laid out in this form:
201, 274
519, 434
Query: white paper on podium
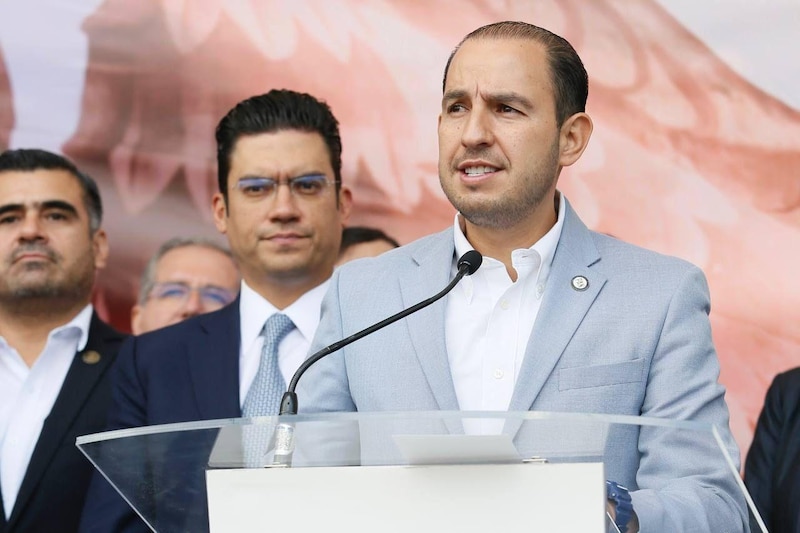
457, 449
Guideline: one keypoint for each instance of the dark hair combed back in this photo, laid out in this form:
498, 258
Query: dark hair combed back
358, 234
279, 109
30, 159
567, 73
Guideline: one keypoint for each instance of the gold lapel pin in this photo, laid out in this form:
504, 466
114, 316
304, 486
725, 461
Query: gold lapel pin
91, 357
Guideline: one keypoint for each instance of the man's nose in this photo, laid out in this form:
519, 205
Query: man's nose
478, 128
31, 228
194, 303
284, 204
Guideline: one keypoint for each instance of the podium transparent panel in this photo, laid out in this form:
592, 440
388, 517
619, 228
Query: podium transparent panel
161, 471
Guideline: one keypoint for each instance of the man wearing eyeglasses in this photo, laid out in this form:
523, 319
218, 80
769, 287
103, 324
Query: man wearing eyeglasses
282, 206
186, 277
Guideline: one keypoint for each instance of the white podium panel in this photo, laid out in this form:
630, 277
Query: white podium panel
511, 498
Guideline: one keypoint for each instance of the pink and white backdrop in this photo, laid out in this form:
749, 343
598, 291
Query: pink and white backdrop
696, 149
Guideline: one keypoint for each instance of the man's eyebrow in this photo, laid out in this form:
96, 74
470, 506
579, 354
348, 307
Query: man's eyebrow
59, 204
454, 94
47, 204
10, 207
510, 97
505, 97
308, 174
251, 177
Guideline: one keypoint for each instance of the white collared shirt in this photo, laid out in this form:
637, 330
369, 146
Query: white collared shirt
27, 395
489, 319
254, 310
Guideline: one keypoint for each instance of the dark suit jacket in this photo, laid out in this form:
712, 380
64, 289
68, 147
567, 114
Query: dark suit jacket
54, 488
772, 469
182, 373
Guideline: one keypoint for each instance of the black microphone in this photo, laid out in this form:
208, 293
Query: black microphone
284, 445
467, 265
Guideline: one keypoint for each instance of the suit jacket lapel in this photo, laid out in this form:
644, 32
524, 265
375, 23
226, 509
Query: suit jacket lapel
213, 362
427, 326
81, 379
562, 310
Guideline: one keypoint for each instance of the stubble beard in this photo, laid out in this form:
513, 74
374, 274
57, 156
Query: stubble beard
47, 295
515, 205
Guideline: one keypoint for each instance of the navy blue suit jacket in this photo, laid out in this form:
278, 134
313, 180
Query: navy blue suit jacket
185, 372
772, 469
55, 483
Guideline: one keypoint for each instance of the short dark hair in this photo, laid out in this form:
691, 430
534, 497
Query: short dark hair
358, 234
30, 159
279, 109
567, 73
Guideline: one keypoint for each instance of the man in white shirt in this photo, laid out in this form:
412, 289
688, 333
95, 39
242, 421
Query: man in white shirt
54, 350
186, 277
558, 317
282, 206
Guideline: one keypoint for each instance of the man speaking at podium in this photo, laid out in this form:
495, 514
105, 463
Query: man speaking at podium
558, 317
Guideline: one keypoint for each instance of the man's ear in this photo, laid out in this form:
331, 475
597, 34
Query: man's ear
100, 248
345, 203
219, 209
574, 137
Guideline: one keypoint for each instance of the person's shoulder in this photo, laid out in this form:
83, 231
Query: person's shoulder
102, 329
616, 255
178, 334
787, 382
613, 248
783, 397
401, 256
104, 339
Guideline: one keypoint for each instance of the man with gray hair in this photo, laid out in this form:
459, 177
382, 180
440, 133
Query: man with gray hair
187, 276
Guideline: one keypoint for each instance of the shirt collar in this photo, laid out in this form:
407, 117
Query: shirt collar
304, 312
80, 323
545, 247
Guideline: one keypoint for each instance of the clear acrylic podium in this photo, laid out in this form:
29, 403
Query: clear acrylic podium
405, 471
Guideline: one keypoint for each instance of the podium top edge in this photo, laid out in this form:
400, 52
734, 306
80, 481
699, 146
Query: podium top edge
391, 416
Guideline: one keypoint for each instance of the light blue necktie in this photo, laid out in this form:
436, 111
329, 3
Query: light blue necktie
264, 396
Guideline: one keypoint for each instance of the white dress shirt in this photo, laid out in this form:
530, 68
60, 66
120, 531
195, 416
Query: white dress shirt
489, 319
254, 310
27, 395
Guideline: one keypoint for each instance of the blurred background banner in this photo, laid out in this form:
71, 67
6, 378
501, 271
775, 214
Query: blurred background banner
695, 153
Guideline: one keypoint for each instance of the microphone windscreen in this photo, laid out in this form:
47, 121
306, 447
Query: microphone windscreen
472, 259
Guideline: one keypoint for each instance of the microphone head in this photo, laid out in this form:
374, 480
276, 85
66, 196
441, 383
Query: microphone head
472, 260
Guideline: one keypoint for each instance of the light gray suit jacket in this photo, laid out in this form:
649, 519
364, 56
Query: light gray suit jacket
637, 341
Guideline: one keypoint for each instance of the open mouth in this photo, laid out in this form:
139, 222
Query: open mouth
478, 171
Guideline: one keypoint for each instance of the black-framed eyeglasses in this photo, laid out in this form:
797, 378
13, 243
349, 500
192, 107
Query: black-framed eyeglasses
307, 186
179, 292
